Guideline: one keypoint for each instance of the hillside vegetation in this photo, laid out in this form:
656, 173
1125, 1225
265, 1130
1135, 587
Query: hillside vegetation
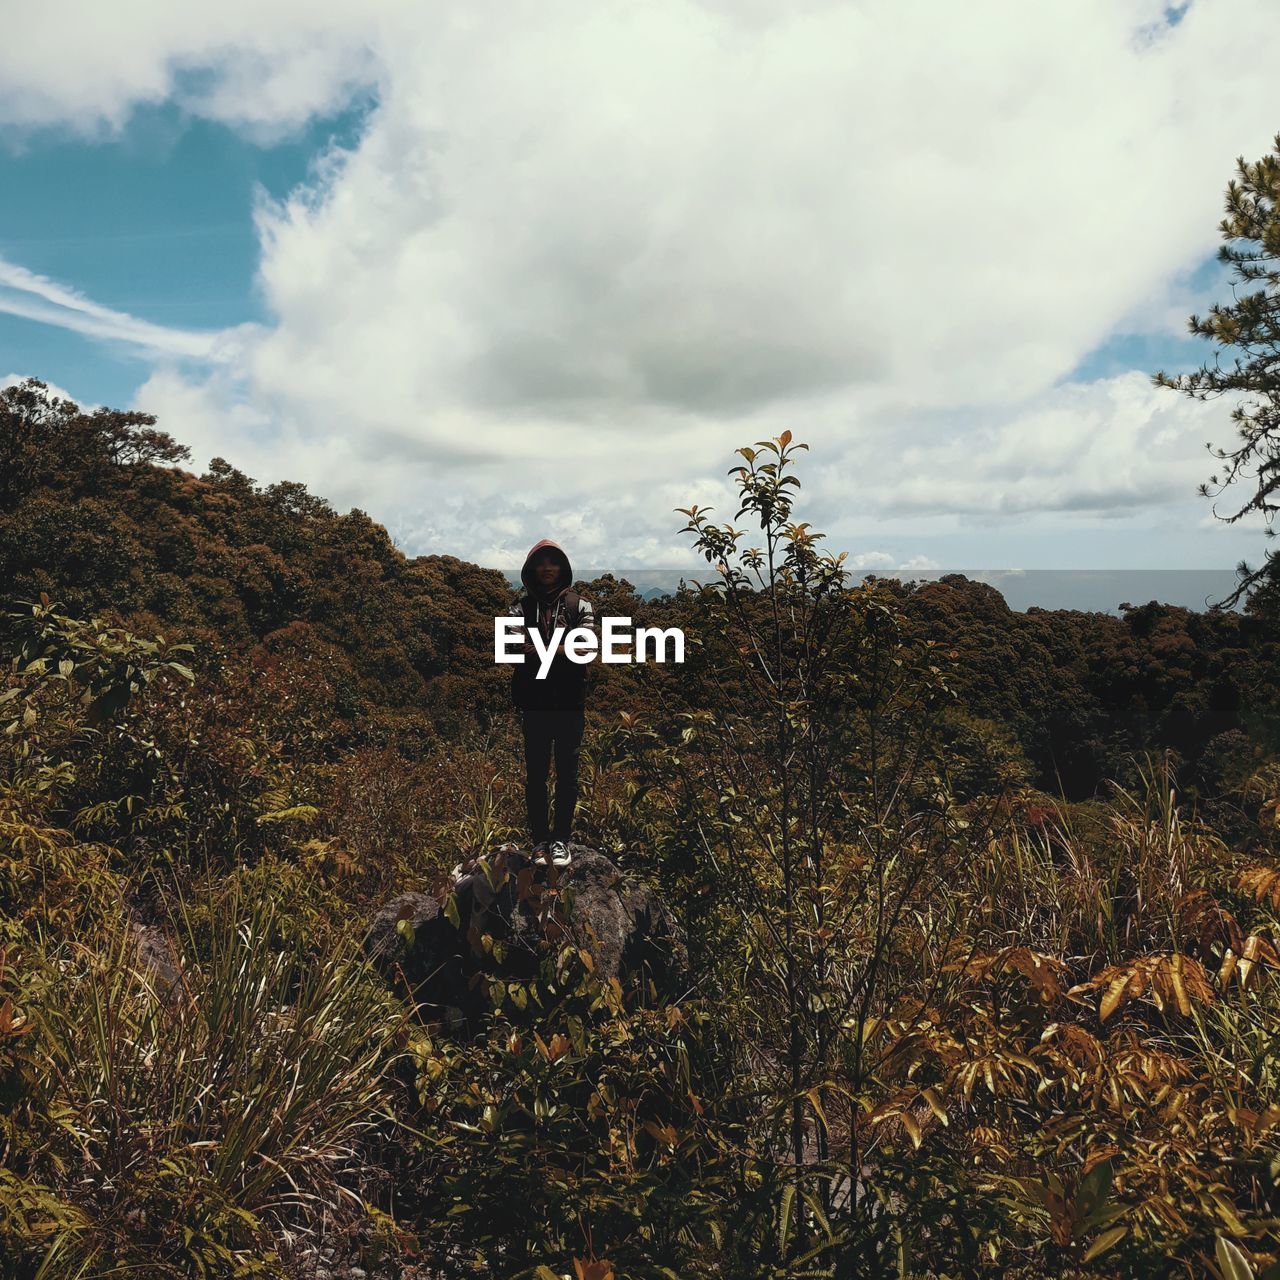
981, 908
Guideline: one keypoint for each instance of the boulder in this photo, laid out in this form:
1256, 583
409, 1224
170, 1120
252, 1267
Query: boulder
525, 906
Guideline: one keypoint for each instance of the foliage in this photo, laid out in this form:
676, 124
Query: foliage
1043, 1067
577, 1130
982, 909
190, 1111
95, 513
1248, 330
341, 641
804, 769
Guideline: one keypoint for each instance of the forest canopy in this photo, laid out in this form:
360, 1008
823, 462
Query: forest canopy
979, 907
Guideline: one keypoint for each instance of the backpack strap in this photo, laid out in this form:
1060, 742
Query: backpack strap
570, 599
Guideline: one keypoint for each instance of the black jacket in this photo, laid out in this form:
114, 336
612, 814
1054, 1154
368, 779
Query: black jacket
565, 684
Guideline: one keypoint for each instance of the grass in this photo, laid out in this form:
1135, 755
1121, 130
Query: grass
208, 1115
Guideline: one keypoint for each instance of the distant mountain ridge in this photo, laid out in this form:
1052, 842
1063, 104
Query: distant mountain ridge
1087, 590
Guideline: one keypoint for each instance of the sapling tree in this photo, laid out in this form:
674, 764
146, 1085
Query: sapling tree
806, 765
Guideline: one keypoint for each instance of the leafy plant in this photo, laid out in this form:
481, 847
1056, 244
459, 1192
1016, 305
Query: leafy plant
207, 1108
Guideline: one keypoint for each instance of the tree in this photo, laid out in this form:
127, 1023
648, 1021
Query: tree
94, 513
47, 442
1247, 331
801, 758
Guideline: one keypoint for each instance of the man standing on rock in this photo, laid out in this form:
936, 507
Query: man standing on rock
551, 709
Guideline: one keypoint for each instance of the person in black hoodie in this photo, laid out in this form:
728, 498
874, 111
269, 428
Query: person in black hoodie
551, 709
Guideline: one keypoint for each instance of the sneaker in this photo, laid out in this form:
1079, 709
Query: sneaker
539, 850
560, 855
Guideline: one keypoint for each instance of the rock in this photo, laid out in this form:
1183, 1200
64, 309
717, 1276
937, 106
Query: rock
387, 945
156, 957
149, 922
623, 924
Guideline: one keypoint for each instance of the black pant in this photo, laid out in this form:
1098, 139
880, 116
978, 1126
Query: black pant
543, 729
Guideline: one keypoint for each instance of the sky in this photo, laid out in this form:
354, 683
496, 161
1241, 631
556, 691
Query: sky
494, 273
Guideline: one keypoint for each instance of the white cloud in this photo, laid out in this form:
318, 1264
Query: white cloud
1112, 447
267, 67
873, 560
878, 561
580, 253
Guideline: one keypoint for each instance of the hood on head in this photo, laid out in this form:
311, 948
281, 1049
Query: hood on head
566, 570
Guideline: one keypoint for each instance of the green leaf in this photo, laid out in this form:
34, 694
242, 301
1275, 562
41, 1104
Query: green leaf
1232, 1263
1104, 1242
935, 1104
784, 1216
1095, 1186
